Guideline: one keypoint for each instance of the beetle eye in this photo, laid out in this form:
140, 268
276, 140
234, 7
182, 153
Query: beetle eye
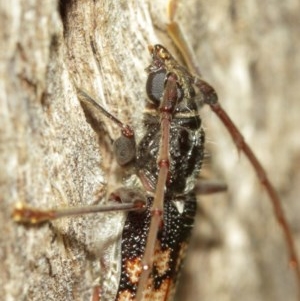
155, 86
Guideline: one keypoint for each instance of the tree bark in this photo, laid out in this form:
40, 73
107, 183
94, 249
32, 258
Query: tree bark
51, 155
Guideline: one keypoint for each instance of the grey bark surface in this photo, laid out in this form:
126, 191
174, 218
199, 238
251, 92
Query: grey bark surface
50, 156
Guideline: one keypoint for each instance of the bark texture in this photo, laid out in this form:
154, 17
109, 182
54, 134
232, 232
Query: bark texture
50, 156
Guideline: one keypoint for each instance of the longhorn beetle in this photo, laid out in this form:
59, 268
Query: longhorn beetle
167, 161
173, 128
